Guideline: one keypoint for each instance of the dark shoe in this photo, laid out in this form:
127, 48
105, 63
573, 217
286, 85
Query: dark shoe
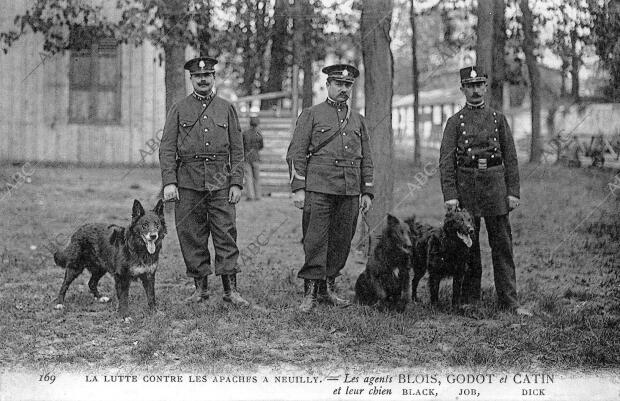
327, 293
310, 295
201, 292
229, 282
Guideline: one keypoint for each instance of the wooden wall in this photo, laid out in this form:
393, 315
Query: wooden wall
35, 99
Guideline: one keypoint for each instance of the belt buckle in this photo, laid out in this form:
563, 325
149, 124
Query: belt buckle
482, 164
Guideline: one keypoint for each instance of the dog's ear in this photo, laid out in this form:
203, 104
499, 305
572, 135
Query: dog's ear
392, 220
159, 208
137, 211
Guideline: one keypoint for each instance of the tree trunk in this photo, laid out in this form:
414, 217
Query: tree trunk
174, 56
378, 79
307, 51
306, 90
498, 69
485, 36
575, 64
277, 66
417, 151
534, 74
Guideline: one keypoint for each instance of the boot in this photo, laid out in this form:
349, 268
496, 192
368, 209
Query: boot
310, 295
327, 293
229, 282
201, 293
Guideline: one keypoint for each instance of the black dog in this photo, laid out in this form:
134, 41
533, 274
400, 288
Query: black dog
442, 251
125, 253
386, 280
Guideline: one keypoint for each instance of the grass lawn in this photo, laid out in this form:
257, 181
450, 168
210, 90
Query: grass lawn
566, 242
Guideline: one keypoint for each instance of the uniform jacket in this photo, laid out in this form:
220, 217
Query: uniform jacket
252, 143
344, 166
202, 149
472, 138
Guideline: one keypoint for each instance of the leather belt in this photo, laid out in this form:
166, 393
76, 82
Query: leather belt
332, 161
481, 163
211, 157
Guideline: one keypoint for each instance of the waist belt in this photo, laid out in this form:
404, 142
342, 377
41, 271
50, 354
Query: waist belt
480, 163
332, 161
211, 157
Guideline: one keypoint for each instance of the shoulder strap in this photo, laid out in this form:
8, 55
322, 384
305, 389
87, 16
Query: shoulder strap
332, 136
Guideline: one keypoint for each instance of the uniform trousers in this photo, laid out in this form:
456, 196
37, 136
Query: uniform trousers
252, 180
500, 240
198, 215
328, 225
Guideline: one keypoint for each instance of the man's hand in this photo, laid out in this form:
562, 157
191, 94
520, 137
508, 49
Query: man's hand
299, 198
365, 203
513, 202
171, 192
234, 194
451, 204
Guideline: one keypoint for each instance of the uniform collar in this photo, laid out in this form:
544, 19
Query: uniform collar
480, 105
206, 97
333, 103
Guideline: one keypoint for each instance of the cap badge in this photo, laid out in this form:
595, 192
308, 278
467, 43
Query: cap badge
201, 64
473, 73
345, 73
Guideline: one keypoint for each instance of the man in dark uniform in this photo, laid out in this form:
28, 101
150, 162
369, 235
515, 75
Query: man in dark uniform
480, 172
201, 159
330, 167
252, 144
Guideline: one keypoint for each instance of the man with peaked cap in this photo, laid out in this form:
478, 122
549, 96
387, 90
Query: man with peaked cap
331, 175
201, 160
480, 173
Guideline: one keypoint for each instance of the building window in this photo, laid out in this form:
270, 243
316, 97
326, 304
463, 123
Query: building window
95, 84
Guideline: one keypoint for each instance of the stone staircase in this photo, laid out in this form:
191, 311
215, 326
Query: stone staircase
277, 132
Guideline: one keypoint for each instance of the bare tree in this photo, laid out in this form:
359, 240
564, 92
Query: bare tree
417, 152
378, 78
529, 44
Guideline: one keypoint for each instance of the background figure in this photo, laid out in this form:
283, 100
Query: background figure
252, 144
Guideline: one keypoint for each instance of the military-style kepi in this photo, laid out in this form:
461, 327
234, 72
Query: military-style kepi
472, 74
341, 72
201, 65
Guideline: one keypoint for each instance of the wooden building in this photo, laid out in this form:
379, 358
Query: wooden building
95, 107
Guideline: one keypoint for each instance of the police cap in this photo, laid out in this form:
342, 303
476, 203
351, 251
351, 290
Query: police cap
341, 72
201, 65
472, 74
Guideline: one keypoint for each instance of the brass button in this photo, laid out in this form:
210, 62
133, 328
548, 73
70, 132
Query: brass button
464, 132
207, 143
492, 156
206, 129
204, 116
344, 134
204, 105
461, 116
462, 124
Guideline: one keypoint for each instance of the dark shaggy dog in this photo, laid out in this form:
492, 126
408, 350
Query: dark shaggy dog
125, 253
442, 251
386, 280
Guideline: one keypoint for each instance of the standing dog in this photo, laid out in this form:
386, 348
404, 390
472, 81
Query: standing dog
442, 251
386, 280
125, 253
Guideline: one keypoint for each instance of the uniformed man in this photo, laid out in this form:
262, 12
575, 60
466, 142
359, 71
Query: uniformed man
331, 175
480, 172
201, 158
252, 144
